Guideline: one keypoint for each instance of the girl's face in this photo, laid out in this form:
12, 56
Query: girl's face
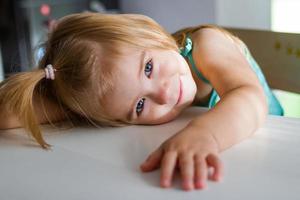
151, 86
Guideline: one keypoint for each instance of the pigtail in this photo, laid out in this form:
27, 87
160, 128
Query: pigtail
16, 94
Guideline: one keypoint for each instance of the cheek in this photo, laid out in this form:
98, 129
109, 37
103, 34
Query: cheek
162, 115
182, 65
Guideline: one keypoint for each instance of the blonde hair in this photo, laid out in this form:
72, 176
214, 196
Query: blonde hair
82, 48
78, 48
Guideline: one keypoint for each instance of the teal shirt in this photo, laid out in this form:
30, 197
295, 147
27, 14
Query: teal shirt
274, 106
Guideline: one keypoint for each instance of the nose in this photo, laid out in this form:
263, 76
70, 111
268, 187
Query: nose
161, 93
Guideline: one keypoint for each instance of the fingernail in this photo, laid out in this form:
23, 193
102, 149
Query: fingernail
148, 158
187, 185
165, 183
200, 184
218, 178
143, 165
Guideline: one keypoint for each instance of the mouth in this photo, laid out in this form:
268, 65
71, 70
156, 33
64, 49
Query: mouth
180, 92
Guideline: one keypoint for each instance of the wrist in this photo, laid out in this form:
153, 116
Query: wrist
206, 135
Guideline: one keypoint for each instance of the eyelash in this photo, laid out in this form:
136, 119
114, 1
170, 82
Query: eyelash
147, 64
140, 105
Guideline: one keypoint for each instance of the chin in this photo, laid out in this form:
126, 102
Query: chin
157, 122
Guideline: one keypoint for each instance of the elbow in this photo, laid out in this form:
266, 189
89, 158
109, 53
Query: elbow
262, 106
258, 106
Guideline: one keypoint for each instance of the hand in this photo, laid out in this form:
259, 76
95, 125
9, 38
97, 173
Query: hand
193, 151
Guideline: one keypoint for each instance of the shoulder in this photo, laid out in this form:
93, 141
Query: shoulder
220, 59
210, 42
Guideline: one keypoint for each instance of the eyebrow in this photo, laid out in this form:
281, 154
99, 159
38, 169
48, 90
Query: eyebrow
129, 115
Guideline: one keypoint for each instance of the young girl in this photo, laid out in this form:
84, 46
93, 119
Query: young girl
126, 69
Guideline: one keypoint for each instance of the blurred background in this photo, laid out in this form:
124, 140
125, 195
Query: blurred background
25, 23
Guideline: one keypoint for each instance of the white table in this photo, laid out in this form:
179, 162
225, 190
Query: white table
91, 163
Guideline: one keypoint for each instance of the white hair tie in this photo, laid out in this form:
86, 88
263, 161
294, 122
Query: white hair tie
49, 72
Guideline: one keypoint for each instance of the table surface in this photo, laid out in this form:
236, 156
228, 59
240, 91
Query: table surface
103, 163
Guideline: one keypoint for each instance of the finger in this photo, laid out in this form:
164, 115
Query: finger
186, 164
168, 164
200, 171
153, 161
215, 162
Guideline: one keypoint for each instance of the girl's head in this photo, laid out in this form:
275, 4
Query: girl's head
111, 69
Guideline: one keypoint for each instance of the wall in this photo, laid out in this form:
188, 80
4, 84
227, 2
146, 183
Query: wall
175, 14
254, 14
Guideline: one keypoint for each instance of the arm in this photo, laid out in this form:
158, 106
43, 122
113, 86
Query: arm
9, 120
243, 105
241, 110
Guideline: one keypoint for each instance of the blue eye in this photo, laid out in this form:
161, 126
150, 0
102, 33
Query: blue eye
140, 106
148, 68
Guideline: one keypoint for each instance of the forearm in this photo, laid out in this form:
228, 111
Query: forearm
238, 115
